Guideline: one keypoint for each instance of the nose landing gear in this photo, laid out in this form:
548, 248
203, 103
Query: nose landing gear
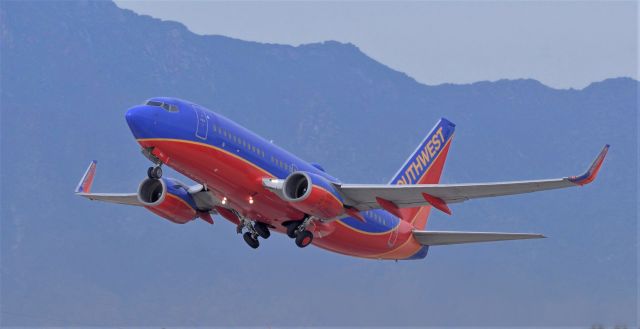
155, 172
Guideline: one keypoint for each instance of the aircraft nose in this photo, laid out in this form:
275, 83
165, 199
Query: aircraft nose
140, 120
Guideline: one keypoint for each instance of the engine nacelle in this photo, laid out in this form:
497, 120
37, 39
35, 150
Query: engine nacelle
313, 195
168, 198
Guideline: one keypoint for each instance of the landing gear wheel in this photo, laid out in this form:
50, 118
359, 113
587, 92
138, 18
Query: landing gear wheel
304, 239
154, 172
250, 240
262, 230
291, 229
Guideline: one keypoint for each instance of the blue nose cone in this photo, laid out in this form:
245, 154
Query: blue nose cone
141, 121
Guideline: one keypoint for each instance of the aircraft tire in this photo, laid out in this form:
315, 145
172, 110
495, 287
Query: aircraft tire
262, 230
304, 239
250, 240
291, 229
154, 172
157, 172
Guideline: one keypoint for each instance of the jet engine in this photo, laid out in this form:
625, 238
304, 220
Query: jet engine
168, 198
313, 195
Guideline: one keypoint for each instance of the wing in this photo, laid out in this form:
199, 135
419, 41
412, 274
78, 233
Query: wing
120, 198
84, 190
392, 197
435, 238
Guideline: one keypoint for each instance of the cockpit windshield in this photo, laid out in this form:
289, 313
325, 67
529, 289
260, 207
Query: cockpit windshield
165, 106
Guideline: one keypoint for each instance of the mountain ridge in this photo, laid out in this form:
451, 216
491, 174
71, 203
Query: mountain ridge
353, 46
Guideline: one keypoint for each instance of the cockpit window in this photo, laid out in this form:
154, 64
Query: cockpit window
170, 107
165, 106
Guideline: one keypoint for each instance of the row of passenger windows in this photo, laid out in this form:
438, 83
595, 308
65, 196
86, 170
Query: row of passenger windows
376, 216
282, 165
251, 148
241, 142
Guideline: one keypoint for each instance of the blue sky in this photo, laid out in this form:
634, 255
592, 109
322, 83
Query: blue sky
562, 44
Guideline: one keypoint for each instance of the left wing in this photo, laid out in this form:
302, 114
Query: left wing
392, 197
84, 190
121, 198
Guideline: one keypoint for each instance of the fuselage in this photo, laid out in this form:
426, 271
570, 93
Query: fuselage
231, 162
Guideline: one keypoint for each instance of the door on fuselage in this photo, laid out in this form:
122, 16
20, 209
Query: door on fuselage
393, 237
202, 127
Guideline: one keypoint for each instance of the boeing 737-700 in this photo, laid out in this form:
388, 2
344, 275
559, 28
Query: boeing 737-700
262, 188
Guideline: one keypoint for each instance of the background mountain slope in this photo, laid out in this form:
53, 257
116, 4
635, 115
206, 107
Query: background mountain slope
69, 70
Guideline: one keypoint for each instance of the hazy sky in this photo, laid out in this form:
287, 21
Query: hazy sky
562, 44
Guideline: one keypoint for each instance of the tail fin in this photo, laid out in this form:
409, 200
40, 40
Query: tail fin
424, 166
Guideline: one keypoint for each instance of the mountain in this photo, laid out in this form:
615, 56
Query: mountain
69, 71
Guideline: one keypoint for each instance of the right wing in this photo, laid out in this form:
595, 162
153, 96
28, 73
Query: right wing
392, 197
436, 238
84, 190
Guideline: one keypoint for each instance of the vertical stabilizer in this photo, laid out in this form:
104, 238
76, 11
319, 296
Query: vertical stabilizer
425, 166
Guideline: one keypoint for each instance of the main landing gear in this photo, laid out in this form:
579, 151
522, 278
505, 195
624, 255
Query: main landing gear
155, 172
254, 230
251, 240
298, 230
262, 229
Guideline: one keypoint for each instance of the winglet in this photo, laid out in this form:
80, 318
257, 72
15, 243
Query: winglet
87, 180
591, 173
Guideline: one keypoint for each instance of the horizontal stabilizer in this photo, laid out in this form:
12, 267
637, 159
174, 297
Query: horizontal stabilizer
436, 238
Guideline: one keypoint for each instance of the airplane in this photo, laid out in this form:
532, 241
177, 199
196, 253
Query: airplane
262, 188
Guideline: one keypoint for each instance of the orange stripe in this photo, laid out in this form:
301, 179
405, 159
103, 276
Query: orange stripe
367, 233
401, 251
209, 146
179, 198
324, 189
